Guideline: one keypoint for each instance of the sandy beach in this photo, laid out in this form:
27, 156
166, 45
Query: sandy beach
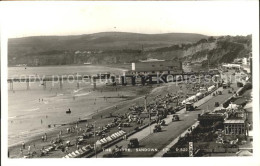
117, 103
34, 112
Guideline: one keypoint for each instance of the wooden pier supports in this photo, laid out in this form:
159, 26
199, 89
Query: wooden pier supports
113, 79
133, 80
61, 81
143, 80
11, 85
28, 84
150, 80
123, 80
44, 85
77, 85
94, 83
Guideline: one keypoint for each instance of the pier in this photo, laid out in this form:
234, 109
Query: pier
125, 79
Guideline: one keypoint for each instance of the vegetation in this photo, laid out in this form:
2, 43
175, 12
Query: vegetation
119, 47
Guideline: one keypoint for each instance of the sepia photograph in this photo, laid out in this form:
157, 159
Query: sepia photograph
129, 79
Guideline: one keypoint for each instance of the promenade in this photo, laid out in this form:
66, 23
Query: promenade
153, 143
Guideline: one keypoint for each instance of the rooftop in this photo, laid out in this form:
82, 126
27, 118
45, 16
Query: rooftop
234, 121
152, 60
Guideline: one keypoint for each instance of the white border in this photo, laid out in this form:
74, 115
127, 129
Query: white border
126, 161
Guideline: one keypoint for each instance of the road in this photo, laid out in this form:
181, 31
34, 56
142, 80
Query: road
157, 141
152, 143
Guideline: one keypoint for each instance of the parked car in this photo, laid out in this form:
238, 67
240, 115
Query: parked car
157, 128
133, 143
175, 118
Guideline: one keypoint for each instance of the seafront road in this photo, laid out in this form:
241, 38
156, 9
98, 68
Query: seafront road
152, 143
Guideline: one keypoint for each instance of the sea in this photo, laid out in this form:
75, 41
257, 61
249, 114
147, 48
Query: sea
30, 111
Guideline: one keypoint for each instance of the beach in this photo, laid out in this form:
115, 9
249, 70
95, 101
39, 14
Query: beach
30, 111
37, 111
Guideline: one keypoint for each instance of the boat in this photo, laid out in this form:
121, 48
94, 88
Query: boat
68, 112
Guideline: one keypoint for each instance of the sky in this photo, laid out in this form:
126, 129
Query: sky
73, 18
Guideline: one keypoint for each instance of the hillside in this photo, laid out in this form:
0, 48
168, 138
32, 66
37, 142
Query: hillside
100, 41
217, 50
121, 47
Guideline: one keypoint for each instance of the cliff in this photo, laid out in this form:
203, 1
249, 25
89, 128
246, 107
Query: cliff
119, 47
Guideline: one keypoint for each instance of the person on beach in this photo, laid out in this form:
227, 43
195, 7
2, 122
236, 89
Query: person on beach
66, 149
41, 121
21, 151
45, 136
42, 138
29, 149
23, 145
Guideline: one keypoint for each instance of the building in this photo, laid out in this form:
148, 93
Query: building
231, 66
245, 61
157, 66
208, 119
235, 127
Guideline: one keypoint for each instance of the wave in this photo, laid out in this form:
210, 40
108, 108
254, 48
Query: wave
33, 109
12, 117
82, 94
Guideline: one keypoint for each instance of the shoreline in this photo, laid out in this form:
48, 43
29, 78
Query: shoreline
114, 66
90, 117
95, 116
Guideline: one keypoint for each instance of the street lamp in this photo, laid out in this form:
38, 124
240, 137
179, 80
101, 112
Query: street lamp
145, 109
95, 145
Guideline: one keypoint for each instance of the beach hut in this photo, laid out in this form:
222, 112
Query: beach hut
118, 134
77, 152
109, 139
102, 141
192, 98
74, 154
211, 88
70, 155
98, 145
122, 131
98, 142
199, 95
113, 136
80, 151
84, 148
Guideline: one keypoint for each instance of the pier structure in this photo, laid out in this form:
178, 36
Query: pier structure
143, 79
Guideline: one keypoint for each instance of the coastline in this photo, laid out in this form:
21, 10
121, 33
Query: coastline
122, 108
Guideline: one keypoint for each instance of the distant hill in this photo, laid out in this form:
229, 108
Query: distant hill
121, 47
98, 41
